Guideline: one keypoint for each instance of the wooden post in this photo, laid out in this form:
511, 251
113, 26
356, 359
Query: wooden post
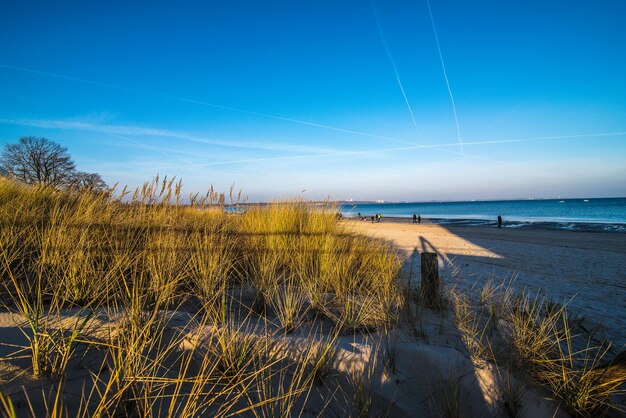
430, 280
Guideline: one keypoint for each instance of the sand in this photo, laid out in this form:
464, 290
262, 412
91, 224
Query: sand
587, 270
424, 374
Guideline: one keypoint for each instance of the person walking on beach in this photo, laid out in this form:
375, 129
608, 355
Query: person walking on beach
419, 219
378, 217
499, 221
372, 218
414, 218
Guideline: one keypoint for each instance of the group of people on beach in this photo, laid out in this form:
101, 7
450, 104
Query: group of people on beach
374, 218
417, 219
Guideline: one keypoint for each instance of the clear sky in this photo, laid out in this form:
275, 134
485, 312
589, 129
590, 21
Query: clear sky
340, 99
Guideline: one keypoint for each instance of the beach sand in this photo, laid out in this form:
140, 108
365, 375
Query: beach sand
586, 270
424, 373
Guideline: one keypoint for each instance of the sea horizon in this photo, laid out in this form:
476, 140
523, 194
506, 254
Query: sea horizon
384, 201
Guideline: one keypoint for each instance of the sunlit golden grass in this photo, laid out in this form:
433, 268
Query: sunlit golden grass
536, 338
543, 340
138, 256
192, 304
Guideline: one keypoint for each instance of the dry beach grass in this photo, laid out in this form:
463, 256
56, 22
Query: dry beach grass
137, 305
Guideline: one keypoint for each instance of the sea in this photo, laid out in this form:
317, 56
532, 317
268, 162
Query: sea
600, 214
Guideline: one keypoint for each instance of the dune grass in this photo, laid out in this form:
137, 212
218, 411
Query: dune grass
139, 258
184, 309
536, 339
543, 340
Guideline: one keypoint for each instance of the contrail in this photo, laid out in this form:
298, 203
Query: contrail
148, 147
445, 75
407, 148
325, 155
146, 131
395, 70
410, 145
234, 109
298, 157
142, 131
540, 138
213, 105
66, 77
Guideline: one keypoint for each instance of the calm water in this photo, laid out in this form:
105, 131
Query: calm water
571, 214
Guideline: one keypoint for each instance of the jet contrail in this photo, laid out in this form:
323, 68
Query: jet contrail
445, 75
229, 108
410, 145
213, 105
148, 147
407, 148
540, 138
395, 70
142, 131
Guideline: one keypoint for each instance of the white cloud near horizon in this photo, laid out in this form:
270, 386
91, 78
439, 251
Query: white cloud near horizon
129, 130
305, 152
323, 171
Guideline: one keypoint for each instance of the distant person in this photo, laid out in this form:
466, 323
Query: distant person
372, 218
499, 221
419, 219
379, 216
414, 218
359, 215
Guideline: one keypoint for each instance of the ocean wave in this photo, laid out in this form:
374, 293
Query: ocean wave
563, 226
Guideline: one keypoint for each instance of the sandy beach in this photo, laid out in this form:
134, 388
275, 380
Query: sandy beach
587, 270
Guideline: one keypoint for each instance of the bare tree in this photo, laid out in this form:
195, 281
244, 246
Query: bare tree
88, 181
38, 161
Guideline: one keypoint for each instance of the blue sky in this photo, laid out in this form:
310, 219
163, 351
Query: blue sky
341, 99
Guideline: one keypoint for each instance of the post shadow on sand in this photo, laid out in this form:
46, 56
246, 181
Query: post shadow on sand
543, 276
413, 265
616, 360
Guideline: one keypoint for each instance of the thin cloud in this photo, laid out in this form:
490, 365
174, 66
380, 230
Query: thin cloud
202, 103
151, 148
229, 108
413, 147
395, 70
127, 130
123, 131
445, 76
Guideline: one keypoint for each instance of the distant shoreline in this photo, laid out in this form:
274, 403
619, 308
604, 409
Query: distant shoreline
419, 202
607, 214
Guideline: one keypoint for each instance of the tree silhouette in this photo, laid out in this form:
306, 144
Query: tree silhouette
88, 181
38, 161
